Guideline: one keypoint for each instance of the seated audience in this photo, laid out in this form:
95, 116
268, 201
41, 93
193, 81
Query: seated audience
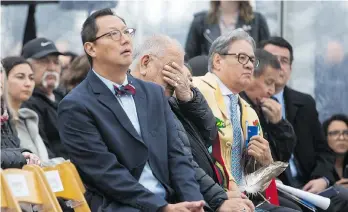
311, 166
336, 132
76, 73
12, 156
231, 66
120, 133
277, 130
21, 84
42, 54
160, 59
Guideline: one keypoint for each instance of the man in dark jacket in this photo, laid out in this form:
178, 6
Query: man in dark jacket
311, 165
195, 121
43, 56
277, 130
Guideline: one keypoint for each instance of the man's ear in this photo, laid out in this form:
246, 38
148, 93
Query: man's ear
217, 62
144, 64
89, 49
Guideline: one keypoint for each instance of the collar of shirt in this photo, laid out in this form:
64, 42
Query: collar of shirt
110, 84
279, 95
224, 90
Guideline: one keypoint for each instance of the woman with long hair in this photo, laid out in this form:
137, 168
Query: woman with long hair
223, 16
20, 81
12, 156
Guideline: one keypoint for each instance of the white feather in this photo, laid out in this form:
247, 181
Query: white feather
259, 180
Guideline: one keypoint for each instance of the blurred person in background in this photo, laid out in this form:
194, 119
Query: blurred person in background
66, 60
199, 65
336, 131
160, 59
12, 156
223, 16
331, 87
42, 54
76, 73
311, 166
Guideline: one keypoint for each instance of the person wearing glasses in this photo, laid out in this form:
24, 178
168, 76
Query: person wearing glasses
120, 131
336, 132
42, 54
231, 66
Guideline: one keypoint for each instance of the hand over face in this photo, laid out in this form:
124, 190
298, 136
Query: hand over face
258, 147
237, 205
31, 158
176, 77
315, 186
272, 110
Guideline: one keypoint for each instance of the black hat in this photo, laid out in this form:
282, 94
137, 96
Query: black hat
38, 48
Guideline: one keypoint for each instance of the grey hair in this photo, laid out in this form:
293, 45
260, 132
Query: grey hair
156, 45
222, 43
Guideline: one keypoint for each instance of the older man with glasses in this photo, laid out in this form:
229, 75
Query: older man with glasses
231, 66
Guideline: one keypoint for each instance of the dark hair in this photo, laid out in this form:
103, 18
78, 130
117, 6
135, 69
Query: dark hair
199, 65
90, 29
245, 11
266, 59
76, 73
278, 41
336, 117
10, 62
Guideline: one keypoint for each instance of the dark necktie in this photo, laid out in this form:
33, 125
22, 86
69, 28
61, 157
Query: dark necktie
128, 89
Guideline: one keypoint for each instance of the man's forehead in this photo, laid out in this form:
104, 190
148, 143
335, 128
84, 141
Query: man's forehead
271, 72
110, 22
174, 56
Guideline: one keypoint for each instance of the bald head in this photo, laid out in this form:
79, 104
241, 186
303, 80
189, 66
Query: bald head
153, 54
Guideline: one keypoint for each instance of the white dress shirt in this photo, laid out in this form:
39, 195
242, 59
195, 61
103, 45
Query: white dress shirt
147, 178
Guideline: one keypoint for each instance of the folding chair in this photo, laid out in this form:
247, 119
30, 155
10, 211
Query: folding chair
76, 174
71, 186
28, 187
8, 201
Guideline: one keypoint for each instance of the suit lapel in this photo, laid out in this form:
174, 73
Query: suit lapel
209, 78
106, 97
291, 105
141, 105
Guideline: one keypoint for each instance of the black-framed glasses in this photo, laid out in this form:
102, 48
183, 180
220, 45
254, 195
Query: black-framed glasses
244, 59
116, 34
336, 133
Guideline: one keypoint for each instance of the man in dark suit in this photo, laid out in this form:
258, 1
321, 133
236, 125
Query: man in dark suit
311, 166
120, 132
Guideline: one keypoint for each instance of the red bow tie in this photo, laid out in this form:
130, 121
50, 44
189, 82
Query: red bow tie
128, 89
